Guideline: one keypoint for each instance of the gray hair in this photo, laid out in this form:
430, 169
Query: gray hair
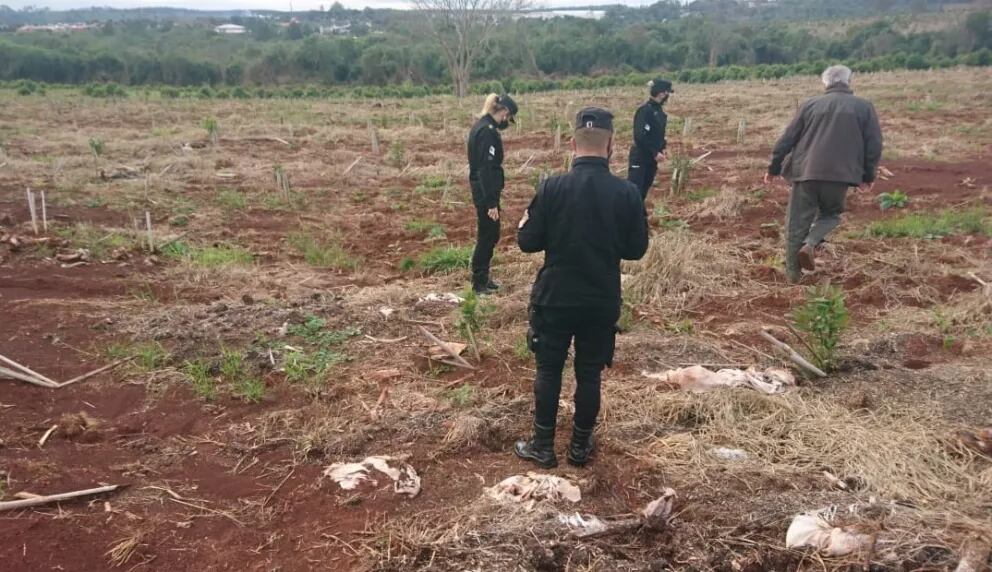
836, 74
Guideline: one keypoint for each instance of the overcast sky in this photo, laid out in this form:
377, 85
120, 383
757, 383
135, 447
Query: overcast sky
267, 4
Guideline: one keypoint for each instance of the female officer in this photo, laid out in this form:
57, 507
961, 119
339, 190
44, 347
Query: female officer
485, 161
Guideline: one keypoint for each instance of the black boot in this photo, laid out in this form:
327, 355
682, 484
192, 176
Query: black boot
581, 447
492, 285
481, 283
540, 449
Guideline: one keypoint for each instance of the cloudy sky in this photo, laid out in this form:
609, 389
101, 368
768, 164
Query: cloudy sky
267, 4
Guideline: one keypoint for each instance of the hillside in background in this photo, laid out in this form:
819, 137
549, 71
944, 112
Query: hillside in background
706, 40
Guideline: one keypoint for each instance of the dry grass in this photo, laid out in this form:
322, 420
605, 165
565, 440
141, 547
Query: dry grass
899, 453
123, 550
679, 269
725, 204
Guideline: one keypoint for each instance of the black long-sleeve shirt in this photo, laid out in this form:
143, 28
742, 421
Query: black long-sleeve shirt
485, 163
650, 123
585, 221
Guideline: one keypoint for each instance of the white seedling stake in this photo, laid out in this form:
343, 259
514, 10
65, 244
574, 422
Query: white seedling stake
148, 227
44, 212
33, 210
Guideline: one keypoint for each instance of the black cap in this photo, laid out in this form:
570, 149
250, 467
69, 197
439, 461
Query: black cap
594, 117
659, 85
507, 102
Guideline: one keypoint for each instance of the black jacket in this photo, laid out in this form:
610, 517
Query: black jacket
485, 163
650, 123
834, 137
585, 221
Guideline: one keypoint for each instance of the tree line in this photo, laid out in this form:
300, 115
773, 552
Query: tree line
522, 52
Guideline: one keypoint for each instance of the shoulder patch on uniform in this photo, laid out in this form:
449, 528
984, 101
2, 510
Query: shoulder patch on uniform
647, 128
492, 127
492, 150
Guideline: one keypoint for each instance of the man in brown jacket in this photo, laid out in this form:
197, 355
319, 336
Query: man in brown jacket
833, 143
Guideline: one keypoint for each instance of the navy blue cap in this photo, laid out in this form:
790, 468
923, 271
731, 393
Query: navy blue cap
506, 101
594, 118
659, 85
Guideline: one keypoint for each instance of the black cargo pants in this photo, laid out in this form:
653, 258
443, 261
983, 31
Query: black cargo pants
642, 172
551, 332
488, 237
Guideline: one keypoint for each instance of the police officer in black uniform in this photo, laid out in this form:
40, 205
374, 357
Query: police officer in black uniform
650, 123
485, 161
585, 221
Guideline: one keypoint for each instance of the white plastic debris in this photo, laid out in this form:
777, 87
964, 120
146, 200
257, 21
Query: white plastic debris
446, 298
659, 510
349, 475
815, 530
386, 312
589, 524
534, 487
729, 454
698, 379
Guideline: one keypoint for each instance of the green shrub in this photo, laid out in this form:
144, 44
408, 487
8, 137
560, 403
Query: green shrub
249, 389
446, 259
321, 253
472, 314
823, 318
895, 199
198, 374
209, 256
229, 199
462, 397
926, 225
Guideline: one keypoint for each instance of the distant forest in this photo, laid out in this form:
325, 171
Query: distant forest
707, 40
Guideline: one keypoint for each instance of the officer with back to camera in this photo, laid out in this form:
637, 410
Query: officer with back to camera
586, 221
650, 123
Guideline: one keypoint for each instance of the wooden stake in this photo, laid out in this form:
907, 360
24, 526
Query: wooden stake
558, 139
4, 372
148, 228
793, 355
26, 370
352, 166
374, 136
44, 212
687, 127
31, 208
741, 131
44, 438
11, 505
525, 165
457, 359
86, 376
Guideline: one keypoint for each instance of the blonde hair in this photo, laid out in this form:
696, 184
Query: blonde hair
491, 106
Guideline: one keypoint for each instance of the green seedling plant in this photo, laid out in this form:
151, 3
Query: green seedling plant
894, 200
682, 166
97, 148
462, 397
397, 155
213, 130
472, 315
521, 348
823, 317
310, 366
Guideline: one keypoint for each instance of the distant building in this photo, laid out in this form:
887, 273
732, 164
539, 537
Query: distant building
564, 13
336, 30
230, 29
